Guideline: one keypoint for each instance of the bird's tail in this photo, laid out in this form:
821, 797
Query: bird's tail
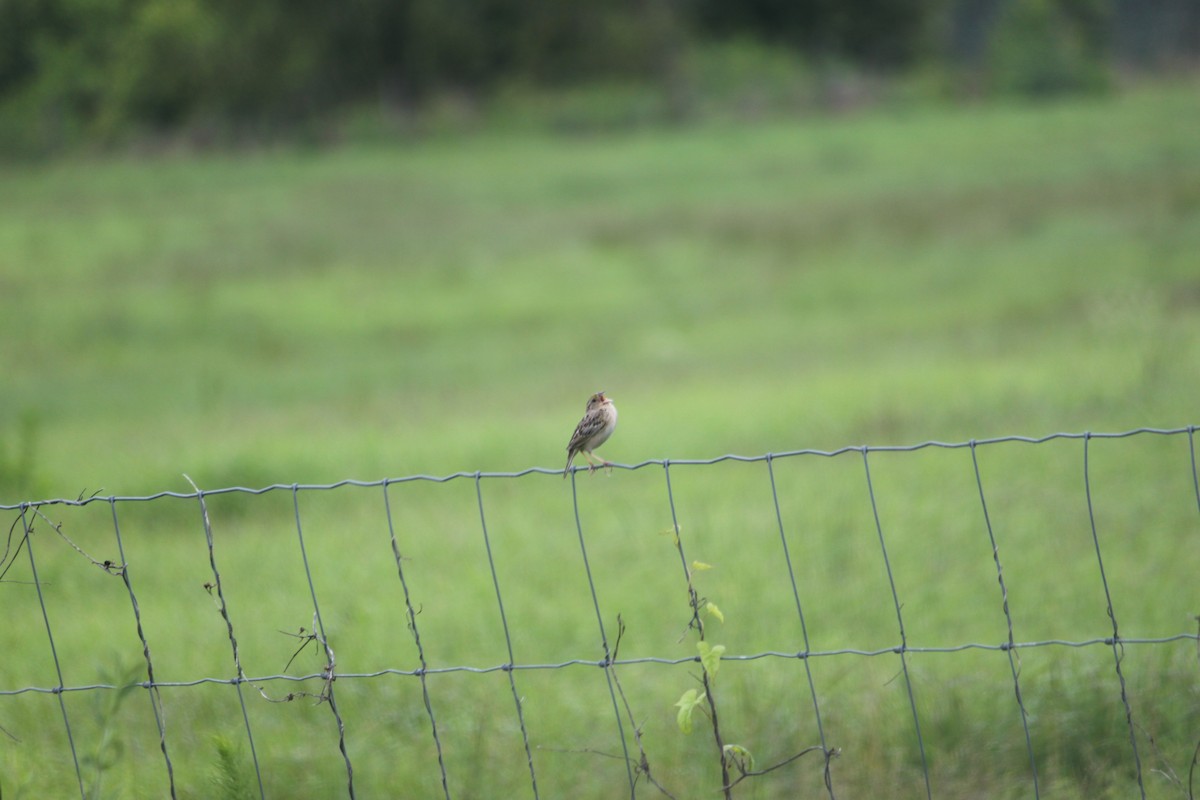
567, 468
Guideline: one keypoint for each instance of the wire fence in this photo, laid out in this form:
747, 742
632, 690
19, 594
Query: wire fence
642, 773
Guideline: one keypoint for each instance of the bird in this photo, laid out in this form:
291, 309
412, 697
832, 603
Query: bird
592, 431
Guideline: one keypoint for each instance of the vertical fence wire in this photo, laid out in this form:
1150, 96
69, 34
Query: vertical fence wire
607, 663
151, 685
1010, 648
1195, 476
903, 648
58, 689
508, 667
330, 671
240, 674
1118, 648
812, 688
412, 626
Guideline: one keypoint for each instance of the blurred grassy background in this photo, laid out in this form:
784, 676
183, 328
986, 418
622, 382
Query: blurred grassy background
881, 279
886, 277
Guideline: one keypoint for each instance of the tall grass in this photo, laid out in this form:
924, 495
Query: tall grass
882, 279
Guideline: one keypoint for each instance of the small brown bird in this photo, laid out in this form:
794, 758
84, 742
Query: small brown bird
593, 430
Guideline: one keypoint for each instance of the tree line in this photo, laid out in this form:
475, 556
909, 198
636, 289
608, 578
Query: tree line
72, 69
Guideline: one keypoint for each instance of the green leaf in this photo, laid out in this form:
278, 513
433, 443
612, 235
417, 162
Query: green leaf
710, 657
700, 566
686, 705
711, 609
740, 756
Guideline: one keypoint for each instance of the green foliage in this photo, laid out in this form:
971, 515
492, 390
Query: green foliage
881, 32
710, 657
687, 705
233, 775
1043, 48
81, 72
710, 663
740, 757
164, 67
743, 77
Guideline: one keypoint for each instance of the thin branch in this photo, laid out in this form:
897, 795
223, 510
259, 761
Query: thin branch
8, 547
106, 565
751, 773
696, 623
307, 639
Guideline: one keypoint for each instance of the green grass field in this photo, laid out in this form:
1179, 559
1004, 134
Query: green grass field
884, 278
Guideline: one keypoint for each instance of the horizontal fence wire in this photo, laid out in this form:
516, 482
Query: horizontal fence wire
627, 728
619, 662
653, 462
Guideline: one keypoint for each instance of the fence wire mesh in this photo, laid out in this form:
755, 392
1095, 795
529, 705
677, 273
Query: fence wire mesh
438, 736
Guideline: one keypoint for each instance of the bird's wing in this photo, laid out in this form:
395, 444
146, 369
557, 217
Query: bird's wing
589, 426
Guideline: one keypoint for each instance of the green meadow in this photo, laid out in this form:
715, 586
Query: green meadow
881, 278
